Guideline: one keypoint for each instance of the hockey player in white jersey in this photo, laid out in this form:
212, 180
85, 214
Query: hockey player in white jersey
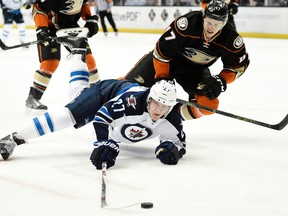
12, 13
122, 112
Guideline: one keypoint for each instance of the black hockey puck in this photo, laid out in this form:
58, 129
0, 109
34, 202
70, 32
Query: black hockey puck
146, 205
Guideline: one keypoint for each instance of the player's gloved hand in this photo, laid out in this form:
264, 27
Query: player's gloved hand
92, 25
43, 36
26, 5
233, 8
105, 151
212, 87
167, 152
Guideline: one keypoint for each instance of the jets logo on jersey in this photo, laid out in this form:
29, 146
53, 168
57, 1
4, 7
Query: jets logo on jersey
131, 101
135, 132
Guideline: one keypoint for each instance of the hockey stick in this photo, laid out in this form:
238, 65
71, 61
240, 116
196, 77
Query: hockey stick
278, 126
79, 31
103, 194
103, 188
5, 47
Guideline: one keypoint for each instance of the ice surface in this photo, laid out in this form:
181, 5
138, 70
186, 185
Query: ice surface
232, 168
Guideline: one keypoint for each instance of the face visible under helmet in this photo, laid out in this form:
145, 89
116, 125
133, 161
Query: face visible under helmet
217, 9
163, 92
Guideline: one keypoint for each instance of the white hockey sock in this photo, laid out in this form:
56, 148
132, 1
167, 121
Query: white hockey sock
6, 31
22, 32
49, 122
79, 76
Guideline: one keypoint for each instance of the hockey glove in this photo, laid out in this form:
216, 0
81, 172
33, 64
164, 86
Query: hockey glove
43, 36
212, 87
92, 25
105, 151
233, 8
168, 153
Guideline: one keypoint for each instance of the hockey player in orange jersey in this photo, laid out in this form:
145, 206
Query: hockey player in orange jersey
50, 16
187, 49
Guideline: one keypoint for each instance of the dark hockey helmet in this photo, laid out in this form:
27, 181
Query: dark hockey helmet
217, 9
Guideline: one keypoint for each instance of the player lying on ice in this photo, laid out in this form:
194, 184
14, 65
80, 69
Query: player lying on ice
120, 110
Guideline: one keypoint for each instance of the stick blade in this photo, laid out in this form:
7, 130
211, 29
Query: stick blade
281, 124
2, 45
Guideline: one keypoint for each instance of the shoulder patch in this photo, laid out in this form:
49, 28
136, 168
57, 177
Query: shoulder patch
238, 42
182, 23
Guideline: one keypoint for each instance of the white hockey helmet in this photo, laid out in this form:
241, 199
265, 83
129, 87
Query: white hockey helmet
164, 92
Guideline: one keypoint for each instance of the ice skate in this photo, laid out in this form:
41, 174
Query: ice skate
74, 39
75, 45
75, 32
8, 144
33, 104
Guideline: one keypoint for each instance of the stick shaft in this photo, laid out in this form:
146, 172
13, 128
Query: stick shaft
278, 126
5, 47
103, 189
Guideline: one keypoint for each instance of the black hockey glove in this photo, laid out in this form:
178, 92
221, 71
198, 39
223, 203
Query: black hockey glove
168, 153
212, 87
43, 36
233, 8
105, 151
92, 25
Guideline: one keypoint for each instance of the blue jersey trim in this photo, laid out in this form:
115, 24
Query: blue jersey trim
126, 88
38, 126
49, 122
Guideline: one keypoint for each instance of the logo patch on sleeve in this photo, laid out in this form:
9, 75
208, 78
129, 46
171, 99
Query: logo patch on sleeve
238, 42
182, 23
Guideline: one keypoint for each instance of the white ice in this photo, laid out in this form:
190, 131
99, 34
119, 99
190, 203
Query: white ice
232, 168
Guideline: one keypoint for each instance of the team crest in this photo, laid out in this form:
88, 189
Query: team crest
139, 79
72, 7
198, 56
182, 23
135, 133
131, 101
238, 42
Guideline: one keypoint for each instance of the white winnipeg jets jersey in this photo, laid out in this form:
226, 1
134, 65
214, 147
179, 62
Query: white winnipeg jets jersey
126, 119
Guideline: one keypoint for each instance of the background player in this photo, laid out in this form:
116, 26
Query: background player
50, 16
130, 114
189, 46
104, 9
12, 13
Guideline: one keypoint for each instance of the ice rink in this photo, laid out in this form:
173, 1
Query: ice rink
232, 168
